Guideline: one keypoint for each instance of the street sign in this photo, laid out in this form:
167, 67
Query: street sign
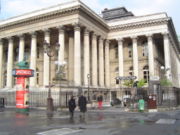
49, 86
154, 78
126, 78
23, 72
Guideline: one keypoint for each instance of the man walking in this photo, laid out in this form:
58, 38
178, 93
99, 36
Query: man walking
72, 106
82, 102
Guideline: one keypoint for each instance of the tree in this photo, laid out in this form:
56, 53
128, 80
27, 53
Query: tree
165, 82
128, 83
141, 83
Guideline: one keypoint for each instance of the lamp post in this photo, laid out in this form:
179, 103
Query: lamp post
88, 77
48, 49
165, 71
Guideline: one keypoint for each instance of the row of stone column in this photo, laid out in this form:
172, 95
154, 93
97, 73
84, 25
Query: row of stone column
150, 55
103, 78
103, 74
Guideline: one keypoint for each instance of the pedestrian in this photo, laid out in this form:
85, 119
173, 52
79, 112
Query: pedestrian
100, 100
82, 102
72, 106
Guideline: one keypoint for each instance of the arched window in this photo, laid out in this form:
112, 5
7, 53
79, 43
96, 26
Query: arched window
146, 73
144, 48
131, 71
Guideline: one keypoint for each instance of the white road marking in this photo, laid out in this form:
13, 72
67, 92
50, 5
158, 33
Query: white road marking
62, 131
166, 121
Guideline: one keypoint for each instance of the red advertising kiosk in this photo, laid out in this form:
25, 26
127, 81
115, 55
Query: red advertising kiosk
22, 91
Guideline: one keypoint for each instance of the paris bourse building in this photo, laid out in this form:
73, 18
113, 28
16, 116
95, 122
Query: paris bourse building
96, 49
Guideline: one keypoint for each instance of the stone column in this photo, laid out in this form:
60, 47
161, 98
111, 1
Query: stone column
71, 59
120, 57
46, 72
77, 55
94, 60
33, 58
167, 56
135, 57
107, 66
1, 63
101, 62
9, 81
150, 55
62, 43
21, 48
86, 57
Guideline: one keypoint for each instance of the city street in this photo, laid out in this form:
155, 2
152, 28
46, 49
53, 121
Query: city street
109, 121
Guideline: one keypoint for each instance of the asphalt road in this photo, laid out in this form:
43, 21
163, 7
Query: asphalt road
111, 121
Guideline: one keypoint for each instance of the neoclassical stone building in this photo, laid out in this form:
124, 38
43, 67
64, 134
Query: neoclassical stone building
101, 48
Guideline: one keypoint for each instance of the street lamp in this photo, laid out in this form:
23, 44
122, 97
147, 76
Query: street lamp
165, 69
88, 77
48, 49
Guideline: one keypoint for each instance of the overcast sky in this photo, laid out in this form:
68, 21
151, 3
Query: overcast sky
10, 8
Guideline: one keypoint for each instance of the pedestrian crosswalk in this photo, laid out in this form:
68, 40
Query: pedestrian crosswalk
166, 121
62, 131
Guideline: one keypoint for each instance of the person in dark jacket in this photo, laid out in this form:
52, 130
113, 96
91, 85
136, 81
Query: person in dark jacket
72, 106
82, 104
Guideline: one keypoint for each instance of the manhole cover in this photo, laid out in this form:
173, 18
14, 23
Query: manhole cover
165, 121
62, 131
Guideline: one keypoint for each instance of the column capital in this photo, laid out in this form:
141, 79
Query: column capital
1, 41
120, 39
47, 30
165, 34
86, 31
101, 38
94, 35
10, 38
77, 27
61, 28
33, 34
21, 35
149, 37
134, 37
107, 41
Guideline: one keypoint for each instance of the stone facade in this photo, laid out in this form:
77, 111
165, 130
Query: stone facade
91, 46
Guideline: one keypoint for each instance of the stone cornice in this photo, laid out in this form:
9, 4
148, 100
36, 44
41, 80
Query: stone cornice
98, 20
139, 24
38, 18
173, 35
25, 20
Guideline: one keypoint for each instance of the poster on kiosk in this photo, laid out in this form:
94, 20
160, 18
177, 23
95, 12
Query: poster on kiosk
22, 88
